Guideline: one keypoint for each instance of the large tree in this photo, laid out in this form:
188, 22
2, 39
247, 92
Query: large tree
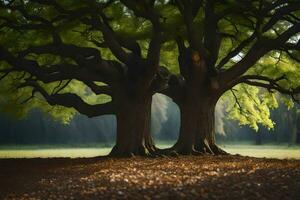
225, 46
59, 49
64, 50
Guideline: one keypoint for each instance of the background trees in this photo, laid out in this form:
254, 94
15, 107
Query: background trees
37, 128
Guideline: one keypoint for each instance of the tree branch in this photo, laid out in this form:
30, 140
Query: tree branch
269, 84
71, 100
212, 39
236, 51
279, 13
258, 50
108, 35
189, 11
104, 89
106, 71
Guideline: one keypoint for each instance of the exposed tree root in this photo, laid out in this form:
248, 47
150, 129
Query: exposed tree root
153, 152
120, 152
150, 151
210, 148
177, 151
217, 150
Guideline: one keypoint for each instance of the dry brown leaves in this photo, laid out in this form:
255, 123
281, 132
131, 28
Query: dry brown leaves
190, 177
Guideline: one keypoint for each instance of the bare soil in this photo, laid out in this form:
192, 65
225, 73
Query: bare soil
187, 177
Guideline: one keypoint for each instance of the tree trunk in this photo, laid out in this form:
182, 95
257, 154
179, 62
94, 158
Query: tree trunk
294, 124
205, 134
188, 126
298, 128
258, 138
199, 93
197, 130
133, 127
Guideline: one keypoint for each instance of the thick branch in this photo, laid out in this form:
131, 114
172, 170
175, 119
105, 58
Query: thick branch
270, 87
269, 84
107, 72
258, 50
212, 39
92, 66
109, 37
236, 51
189, 11
103, 89
175, 89
279, 13
71, 100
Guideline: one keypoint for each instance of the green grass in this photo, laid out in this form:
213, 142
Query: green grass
60, 150
51, 152
267, 151
75, 151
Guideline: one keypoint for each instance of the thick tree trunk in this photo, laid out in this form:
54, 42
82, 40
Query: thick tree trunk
205, 134
197, 131
199, 93
188, 126
133, 128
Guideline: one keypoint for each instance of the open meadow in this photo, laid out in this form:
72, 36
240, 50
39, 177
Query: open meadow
88, 151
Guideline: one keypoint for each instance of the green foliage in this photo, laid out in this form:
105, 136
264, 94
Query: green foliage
13, 102
255, 103
250, 106
72, 32
169, 55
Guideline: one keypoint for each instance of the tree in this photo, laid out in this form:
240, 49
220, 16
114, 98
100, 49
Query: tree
225, 46
56, 49
114, 48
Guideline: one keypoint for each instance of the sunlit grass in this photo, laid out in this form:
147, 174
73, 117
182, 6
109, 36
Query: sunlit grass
60, 152
75, 151
268, 151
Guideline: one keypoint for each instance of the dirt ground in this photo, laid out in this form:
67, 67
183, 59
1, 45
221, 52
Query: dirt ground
188, 177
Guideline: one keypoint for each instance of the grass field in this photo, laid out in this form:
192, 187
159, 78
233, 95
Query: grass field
46, 151
267, 151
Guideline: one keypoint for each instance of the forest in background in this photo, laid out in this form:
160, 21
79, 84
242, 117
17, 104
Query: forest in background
38, 128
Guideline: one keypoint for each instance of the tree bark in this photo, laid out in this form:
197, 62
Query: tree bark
188, 125
298, 129
133, 127
205, 134
197, 130
197, 107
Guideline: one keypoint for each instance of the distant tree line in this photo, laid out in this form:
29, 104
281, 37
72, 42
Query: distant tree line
37, 128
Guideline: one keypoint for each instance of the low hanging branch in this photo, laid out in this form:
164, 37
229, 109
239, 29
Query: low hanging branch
70, 100
270, 84
58, 72
103, 89
80, 63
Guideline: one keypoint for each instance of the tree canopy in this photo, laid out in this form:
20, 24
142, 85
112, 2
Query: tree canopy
109, 57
